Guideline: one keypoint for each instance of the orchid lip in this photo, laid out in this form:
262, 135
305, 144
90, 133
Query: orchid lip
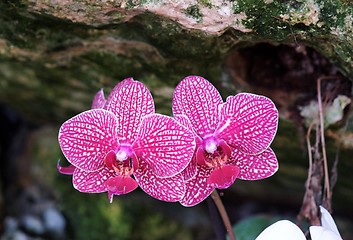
120, 185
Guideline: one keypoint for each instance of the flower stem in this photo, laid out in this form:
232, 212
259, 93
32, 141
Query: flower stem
216, 220
327, 188
223, 213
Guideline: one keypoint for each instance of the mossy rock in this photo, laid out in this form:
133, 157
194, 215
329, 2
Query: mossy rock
56, 54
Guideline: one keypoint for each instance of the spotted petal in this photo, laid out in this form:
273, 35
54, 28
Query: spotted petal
166, 189
255, 167
91, 182
98, 100
183, 120
86, 138
130, 101
197, 189
198, 99
164, 144
190, 171
248, 122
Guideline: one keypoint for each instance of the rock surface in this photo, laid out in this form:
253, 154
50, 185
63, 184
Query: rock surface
56, 54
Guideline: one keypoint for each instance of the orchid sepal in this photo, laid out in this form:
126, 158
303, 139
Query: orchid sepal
69, 170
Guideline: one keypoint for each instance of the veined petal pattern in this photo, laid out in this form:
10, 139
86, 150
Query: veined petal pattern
199, 100
130, 101
248, 122
164, 144
86, 138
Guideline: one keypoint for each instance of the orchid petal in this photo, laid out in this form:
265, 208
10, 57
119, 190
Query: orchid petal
198, 99
183, 120
248, 121
255, 167
119, 185
280, 230
197, 189
226, 149
86, 138
91, 182
69, 170
110, 160
164, 144
327, 221
166, 189
201, 156
98, 100
130, 101
320, 233
223, 177
190, 171
135, 162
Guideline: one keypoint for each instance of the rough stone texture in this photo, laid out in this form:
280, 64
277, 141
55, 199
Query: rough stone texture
56, 54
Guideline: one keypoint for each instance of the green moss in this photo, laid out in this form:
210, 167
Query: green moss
163, 34
68, 73
194, 12
30, 30
265, 20
205, 3
136, 3
323, 25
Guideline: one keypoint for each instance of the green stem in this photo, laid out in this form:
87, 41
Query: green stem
223, 213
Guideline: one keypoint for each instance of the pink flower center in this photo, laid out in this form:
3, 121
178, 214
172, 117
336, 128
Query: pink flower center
213, 152
123, 161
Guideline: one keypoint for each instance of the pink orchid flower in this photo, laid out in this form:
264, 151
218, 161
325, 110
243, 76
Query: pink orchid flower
232, 137
123, 137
